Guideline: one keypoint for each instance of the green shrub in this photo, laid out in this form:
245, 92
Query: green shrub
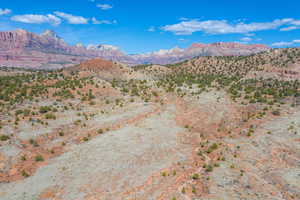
164, 174
39, 158
183, 190
44, 109
4, 137
276, 112
100, 131
212, 148
33, 142
194, 190
23, 158
209, 168
25, 174
195, 176
50, 116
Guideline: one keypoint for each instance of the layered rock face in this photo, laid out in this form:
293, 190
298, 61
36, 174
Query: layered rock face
20, 48
13, 40
24, 49
23, 40
216, 49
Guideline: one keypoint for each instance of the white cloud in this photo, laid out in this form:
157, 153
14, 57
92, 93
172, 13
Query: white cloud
290, 28
37, 19
224, 27
96, 21
183, 19
249, 34
5, 11
72, 19
296, 22
282, 44
104, 6
246, 39
151, 29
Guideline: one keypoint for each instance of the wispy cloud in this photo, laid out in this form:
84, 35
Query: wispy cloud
249, 34
37, 19
72, 19
284, 44
96, 21
290, 28
296, 22
5, 11
183, 19
151, 29
246, 39
225, 27
104, 6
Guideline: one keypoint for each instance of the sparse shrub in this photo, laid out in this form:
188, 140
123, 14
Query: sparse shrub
194, 189
50, 116
174, 172
212, 148
33, 142
199, 153
25, 174
4, 137
44, 109
183, 190
195, 176
23, 158
18, 112
100, 131
39, 158
209, 168
276, 112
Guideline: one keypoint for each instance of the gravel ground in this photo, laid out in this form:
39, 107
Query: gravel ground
270, 164
26, 131
108, 165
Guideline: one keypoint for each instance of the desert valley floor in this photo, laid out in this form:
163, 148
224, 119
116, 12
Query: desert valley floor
103, 131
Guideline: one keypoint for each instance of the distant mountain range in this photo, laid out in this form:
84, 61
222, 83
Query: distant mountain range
21, 48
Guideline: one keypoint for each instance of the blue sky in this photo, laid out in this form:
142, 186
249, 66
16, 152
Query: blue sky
139, 26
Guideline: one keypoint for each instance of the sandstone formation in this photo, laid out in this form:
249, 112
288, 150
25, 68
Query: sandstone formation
21, 48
